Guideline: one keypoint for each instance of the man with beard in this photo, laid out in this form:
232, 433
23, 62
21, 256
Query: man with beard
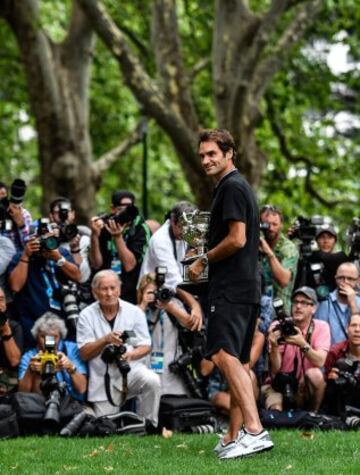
279, 257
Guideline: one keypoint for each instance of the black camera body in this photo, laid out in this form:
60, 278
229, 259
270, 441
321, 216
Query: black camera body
127, 216
162, 294
114, 354
347, 372
40, 230
287, 385
17, 195
67, 231
286, 325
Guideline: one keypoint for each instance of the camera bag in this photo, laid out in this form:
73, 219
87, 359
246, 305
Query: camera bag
122, 423
8, 422
301, 420
182, 413
30, 410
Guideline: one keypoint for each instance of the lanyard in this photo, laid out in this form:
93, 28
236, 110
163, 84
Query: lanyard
50, 288
152, 324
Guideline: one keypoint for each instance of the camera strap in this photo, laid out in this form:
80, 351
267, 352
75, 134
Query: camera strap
124, 390
172, 238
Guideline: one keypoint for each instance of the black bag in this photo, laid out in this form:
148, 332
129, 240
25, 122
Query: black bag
301, 420
186, 414
30, 410
122, 423
8, 422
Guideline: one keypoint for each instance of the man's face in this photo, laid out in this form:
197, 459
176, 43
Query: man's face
326, 242
275, 225
41, 338
3, 193
346, 275
353, 330
302, 309
108, 291
214, 161
2, 301
121, 206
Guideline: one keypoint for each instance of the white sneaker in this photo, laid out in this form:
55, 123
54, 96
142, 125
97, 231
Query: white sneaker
248, 444
221, 448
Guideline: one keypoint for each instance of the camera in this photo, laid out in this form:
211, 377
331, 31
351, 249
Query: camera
163, 294
286, 324
40, 230
347, 372
287, 385
67, 231
17, 195
48, 358
126, 216
264, 227
353, 238
69, 296
113, 353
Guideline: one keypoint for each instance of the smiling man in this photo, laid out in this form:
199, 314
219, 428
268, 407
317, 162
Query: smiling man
234, 290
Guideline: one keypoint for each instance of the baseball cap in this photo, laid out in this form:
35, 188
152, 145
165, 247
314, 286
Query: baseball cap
308, 292
326, 228
118, 195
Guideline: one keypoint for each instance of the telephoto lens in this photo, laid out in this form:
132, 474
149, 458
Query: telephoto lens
72, 428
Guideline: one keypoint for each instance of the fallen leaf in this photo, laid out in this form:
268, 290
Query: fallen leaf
108, 469
308, 435
182, 446
14, 467
110, 448
166, 433
201, 451
68, 468
289, 467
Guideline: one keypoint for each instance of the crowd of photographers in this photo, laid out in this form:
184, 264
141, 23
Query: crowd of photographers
96, 313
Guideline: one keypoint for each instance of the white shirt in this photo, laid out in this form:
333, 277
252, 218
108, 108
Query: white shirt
92, 325
84, 267
161, 253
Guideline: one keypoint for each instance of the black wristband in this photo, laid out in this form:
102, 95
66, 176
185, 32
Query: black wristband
7, 337
75, 251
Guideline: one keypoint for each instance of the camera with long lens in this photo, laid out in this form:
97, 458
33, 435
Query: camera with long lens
114, 354
162, 294
348, 372
287, 385
353, 238
52, 389
69, 296
322, 290
305, 230
17, 195
67, 231
128, 215
286, 324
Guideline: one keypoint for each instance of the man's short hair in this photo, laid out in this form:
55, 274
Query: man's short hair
49, 322
221, 137
60, 199
181, 207
101, 274
272, 209
118, 195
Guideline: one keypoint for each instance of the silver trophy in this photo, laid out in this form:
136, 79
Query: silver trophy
195, 226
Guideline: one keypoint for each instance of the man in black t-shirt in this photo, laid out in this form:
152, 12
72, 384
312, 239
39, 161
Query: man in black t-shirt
234, 290
120, 247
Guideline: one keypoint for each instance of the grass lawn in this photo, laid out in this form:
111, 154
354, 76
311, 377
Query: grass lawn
294, 453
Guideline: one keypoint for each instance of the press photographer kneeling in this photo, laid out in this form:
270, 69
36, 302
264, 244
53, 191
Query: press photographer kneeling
342, 373
298, 347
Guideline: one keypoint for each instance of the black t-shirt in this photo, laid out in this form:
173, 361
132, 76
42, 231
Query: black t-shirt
17, 332
136, 238
237, 276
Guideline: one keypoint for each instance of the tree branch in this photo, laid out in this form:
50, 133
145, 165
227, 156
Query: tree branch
110, 157
286, 152
272, 64
198, 67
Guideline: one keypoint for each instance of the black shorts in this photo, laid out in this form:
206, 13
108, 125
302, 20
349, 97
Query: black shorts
231, 327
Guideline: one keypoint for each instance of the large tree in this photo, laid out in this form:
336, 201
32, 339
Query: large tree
58, 75
248, 49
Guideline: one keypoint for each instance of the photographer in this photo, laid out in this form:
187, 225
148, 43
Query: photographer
69, 368
35, 276
15, 220
62, 213
279, 256
342, 372
162, 315
6, 254
297, 351
119, 242
116, 370
10, 348
342, 302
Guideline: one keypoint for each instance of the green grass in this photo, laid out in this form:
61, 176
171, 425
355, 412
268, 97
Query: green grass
294, 453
